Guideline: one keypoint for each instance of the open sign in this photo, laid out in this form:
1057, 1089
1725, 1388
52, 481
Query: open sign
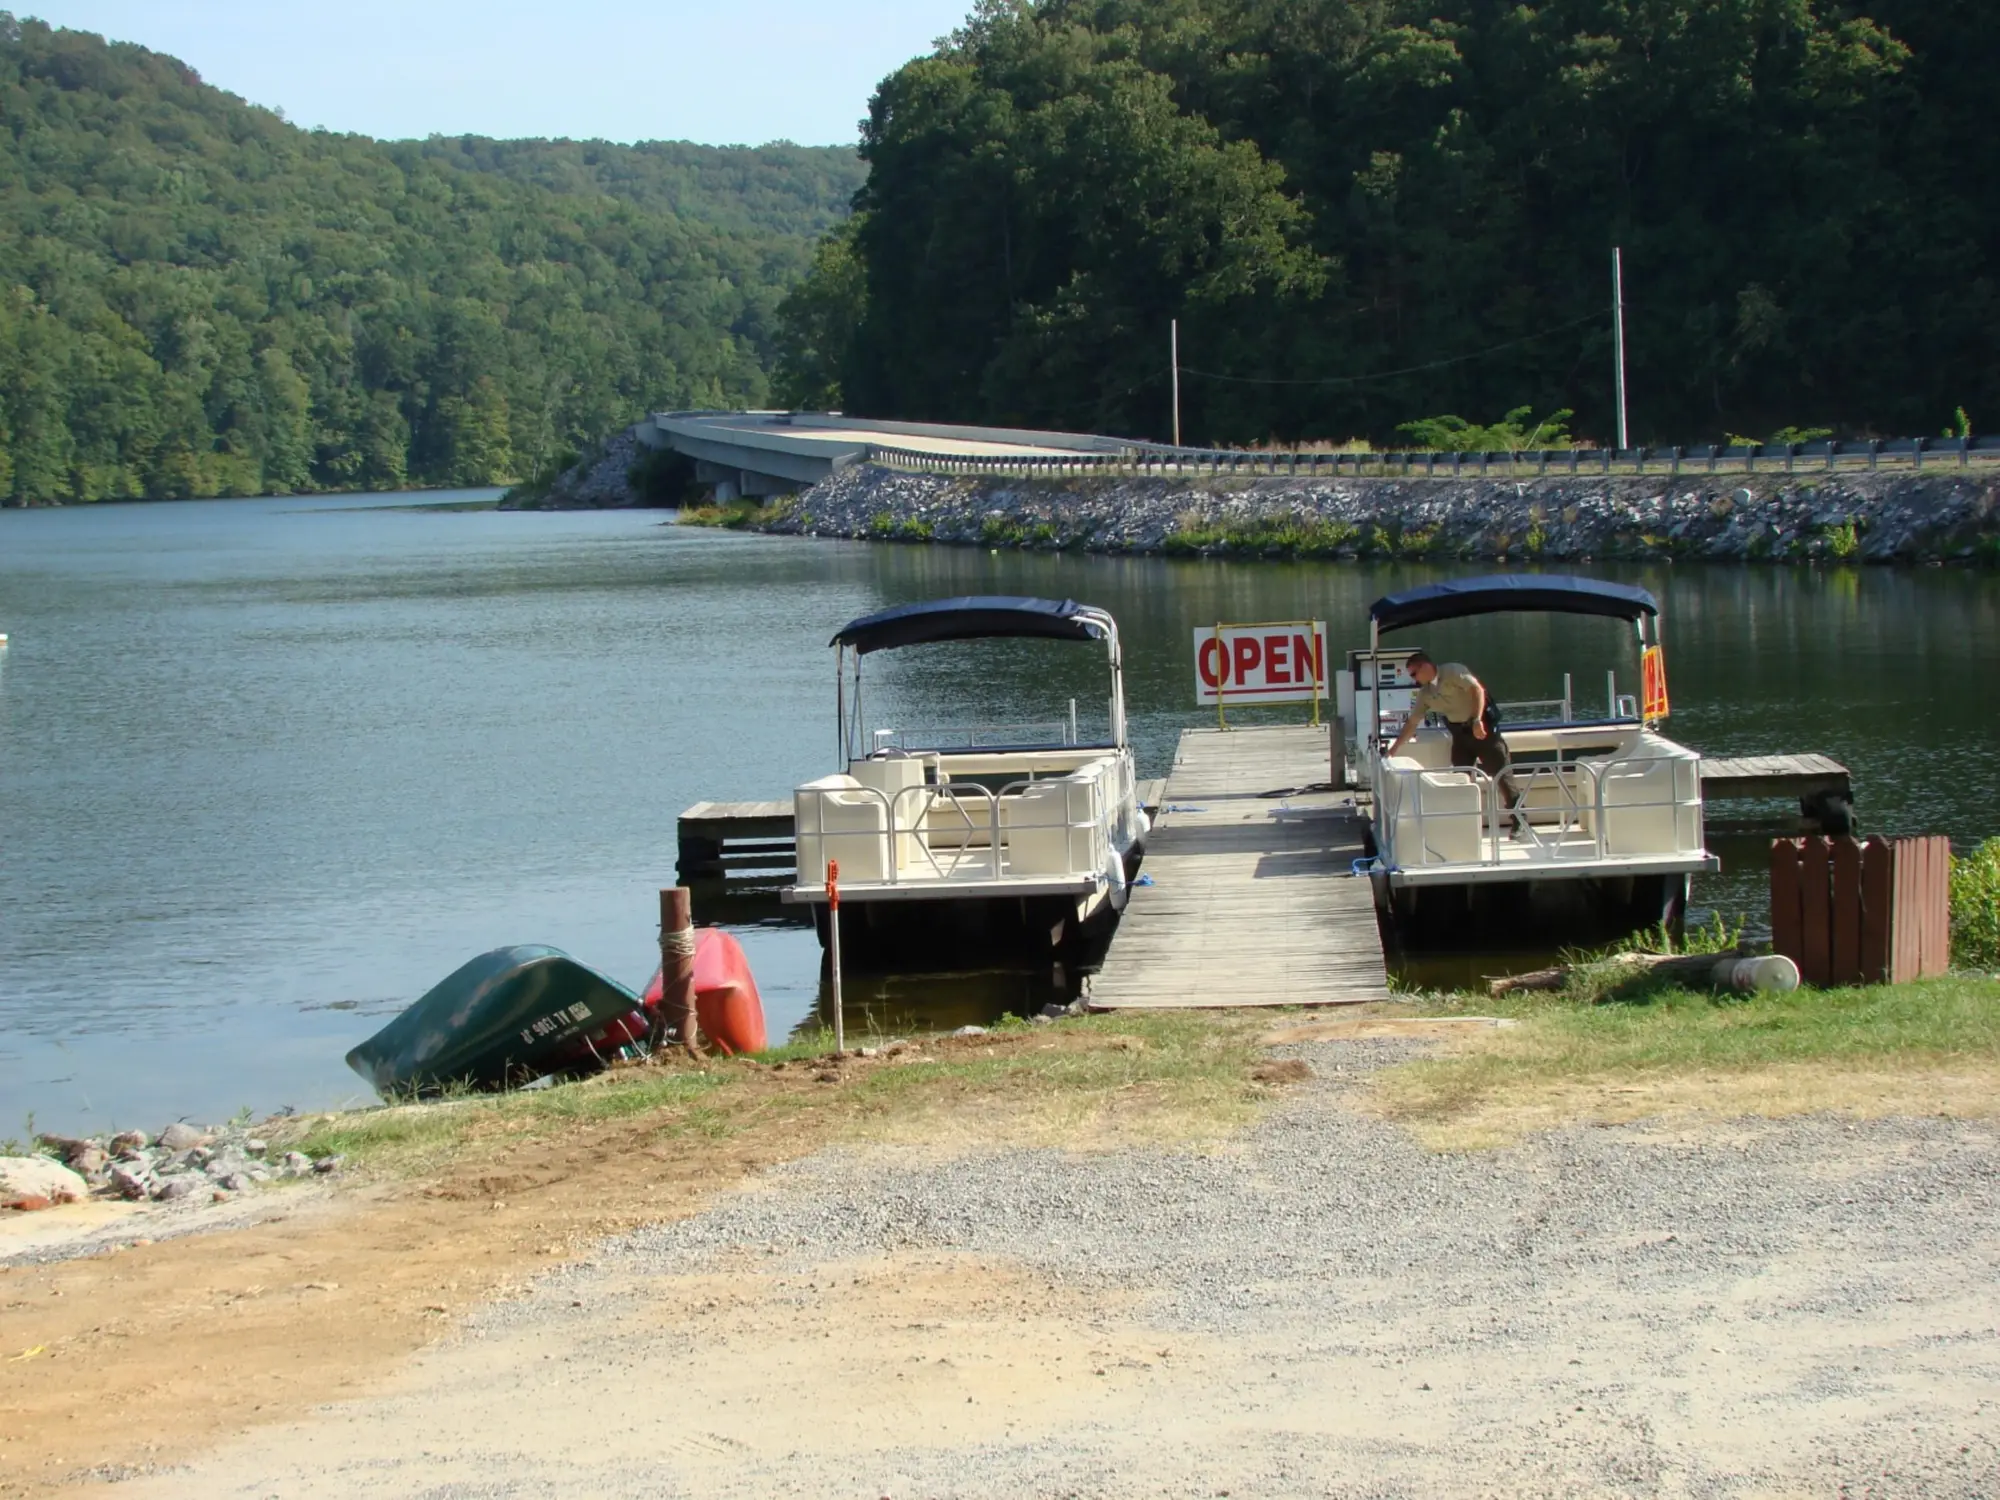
1280, 663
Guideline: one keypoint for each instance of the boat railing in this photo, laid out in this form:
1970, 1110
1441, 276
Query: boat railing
1047, 826
1048, 732
1617, 793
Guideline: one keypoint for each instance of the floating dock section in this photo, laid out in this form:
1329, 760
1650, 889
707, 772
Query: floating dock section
1253, 899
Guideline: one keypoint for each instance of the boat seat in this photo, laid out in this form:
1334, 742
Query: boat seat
1652, 807
839, 818
1052, 826
900, 779
1449, 830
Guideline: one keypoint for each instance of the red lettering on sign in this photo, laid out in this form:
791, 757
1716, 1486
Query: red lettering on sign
1276, 668
1248, 649
1305, 649
1204, 661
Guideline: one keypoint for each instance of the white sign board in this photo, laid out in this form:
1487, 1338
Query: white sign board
1283, 663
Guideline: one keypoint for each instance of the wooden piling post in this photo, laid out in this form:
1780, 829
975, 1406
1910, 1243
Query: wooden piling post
676, 1013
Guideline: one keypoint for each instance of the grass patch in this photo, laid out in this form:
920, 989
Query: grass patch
1647, 1050
1096, 1079
738, 515
1277, 535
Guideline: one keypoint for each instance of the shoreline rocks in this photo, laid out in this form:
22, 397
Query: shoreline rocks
182, 1161
1839, 518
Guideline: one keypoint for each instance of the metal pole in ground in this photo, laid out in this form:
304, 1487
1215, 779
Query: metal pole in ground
833, 953
1174, 352
1618, 338
676, 1012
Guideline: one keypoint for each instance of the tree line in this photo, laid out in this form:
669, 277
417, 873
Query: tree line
1367, 211
198, 298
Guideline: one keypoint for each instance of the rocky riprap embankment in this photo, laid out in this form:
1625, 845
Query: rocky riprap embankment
183, 1161
596, 482
1902, 517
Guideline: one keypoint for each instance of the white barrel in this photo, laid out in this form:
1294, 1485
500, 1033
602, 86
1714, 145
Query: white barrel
1773, 972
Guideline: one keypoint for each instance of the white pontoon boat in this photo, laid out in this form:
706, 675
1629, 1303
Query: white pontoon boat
1015, 834
1608, 800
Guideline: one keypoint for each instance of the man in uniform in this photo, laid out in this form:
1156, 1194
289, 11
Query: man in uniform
1452, 691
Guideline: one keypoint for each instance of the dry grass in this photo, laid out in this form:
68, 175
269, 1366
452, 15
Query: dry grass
1926, 1048
1100, 1080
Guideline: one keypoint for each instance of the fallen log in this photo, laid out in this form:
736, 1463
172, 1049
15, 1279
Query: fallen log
1741, 972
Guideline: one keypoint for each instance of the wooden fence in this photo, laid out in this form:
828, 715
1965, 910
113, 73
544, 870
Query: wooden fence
1852, 913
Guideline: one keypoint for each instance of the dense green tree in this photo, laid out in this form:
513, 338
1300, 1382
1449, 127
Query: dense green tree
1364, 211
197, 298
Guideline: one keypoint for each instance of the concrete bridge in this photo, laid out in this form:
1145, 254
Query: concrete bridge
775, 453
778, 452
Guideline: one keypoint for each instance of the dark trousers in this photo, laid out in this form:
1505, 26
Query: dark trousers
1489, 754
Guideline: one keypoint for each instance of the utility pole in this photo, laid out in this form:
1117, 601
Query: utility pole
1618, 340
1174, 352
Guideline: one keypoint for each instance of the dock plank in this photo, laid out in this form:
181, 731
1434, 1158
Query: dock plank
1752, 776
1253, 900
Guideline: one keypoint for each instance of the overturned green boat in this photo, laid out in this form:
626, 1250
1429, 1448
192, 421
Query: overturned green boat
506, 1018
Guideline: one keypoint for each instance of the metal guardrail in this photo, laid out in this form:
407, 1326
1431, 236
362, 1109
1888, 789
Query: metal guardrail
1152, 460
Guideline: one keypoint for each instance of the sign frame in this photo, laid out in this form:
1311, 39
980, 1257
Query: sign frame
1244, 646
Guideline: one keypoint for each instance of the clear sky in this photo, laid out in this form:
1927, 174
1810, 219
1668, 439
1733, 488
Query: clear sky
733, 71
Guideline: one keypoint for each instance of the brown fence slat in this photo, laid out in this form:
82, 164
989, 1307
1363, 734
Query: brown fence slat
1847, 917
1933, 912
1903, 951
1787, 936
1878, 886
1815, 958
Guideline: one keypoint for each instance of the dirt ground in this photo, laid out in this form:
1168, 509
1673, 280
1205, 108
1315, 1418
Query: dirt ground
1317, 1306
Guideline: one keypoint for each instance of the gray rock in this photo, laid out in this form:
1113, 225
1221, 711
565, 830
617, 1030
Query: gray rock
40, 1177
255, 1147
133, 1180
128, 1141
177, 1187
328, 1164
297, 1161
235, 1182
970, 1031
182, 1137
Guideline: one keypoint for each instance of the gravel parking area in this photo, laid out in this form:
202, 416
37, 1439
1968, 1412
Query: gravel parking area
1320, 1307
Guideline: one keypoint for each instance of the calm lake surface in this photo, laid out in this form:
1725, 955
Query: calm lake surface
269, 769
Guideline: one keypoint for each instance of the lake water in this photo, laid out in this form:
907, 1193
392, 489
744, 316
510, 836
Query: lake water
269, 769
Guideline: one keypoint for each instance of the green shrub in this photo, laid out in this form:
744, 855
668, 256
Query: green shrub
998, 531
1284, 535
1843, 542
1516, 431
1975, 908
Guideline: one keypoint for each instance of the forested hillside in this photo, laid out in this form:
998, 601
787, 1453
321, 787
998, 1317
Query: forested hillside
1368, 211
197, 298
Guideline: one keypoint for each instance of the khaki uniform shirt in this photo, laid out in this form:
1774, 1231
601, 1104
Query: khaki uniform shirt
1454, 692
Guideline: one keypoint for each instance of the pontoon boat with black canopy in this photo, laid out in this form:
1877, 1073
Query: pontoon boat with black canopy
1016, 832
1604, 798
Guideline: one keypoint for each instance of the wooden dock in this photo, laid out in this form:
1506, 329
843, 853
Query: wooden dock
1253, 899
1801, 776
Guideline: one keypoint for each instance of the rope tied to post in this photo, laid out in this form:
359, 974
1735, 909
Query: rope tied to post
678, 944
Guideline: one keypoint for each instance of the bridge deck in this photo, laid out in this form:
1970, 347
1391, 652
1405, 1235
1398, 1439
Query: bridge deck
1253, 901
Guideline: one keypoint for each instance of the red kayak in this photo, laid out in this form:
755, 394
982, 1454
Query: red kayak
726, 1002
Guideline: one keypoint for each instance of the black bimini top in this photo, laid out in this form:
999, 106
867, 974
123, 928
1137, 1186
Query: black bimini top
1537, 593
974, 618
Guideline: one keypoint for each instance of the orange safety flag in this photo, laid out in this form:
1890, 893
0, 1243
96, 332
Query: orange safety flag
1653, 685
